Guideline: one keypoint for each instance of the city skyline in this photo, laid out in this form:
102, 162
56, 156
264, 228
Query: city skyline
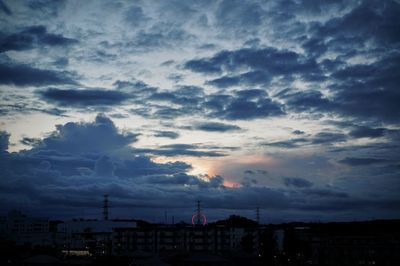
289, 106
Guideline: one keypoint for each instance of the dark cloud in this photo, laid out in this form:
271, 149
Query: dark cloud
165, 112
248, 181
225, 81
30, 141
356, 85
367, 132
238, 16
135, 16
61, 62
176, 77
32, 37
136, 87
305, 101
165, 96
321, 138
67, 171
322, 192
246, 79
253, 173
208, 46
25, 75
298, 132
144, 40
384, 149
186, 100
262, 172
368, 30
363, 161
46, 8
83, 97
328, 138
315, 46
288, 144
20, 108
190, 91
203, 66
185, 179
177, 179
177, 97
370, 21
87, 137
269, 60
101, 56
104, 167
249, 172
297, 182
5, 8
167, 63
159, 36
81, 160
216, 127
182, 150
139, 166
167, 134
369, 24
56, 177
243, 105
351, 90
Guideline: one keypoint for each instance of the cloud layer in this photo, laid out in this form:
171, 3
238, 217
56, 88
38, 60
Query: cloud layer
291, 106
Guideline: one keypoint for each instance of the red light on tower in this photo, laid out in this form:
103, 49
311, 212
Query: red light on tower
199, 216
202, 216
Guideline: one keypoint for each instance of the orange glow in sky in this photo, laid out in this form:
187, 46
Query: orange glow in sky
231, 184
230, 168
201, 166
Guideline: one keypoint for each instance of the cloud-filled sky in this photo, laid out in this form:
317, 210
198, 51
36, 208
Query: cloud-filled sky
292, 106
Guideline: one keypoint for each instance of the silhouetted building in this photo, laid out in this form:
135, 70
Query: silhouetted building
78, 236
234, 241
23, 229
352, 248
215, 239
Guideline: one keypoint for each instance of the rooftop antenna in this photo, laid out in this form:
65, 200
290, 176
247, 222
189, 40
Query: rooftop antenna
258, 215
105, 207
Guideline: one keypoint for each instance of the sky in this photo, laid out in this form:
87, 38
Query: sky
291, 106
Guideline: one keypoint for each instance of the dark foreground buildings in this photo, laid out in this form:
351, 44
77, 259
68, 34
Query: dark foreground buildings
234, 241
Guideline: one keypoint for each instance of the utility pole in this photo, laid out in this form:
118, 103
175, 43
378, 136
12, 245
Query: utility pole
198, 216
